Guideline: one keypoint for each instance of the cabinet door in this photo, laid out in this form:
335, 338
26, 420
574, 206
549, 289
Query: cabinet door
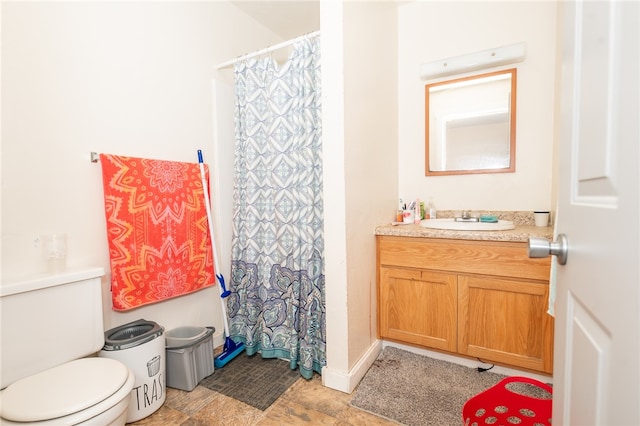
418, 307
505, 321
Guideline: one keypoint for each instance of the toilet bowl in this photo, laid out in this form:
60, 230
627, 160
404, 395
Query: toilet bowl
52, 328
90, 391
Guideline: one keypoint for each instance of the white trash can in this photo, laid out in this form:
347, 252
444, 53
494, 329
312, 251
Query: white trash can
140, 345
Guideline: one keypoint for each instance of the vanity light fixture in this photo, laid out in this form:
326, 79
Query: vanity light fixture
473, 61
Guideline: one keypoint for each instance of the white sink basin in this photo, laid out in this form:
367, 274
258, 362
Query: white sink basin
451, 224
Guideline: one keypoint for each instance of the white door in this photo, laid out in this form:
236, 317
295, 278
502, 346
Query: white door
597, 357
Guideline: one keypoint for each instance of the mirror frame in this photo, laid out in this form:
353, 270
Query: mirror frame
512, 126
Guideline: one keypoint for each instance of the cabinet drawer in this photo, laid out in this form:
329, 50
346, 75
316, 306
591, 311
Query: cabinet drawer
497, 258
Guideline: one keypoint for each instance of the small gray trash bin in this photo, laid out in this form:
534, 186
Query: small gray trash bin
140, 345
189, 356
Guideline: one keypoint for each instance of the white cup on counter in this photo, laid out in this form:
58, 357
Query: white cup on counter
541, 218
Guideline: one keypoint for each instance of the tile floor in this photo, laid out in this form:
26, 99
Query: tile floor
305, 402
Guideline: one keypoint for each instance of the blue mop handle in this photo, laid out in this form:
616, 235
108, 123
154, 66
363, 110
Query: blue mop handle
207, 203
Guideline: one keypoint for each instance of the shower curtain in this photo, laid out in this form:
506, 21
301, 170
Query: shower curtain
277, 305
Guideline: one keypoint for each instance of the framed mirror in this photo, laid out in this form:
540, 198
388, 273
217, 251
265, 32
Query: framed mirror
470, 124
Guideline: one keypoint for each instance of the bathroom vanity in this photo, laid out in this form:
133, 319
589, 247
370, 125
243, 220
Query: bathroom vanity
476, 294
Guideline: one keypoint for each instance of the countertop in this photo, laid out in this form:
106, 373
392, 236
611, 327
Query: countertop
524, 228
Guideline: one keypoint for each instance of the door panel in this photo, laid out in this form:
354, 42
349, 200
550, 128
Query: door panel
597, 356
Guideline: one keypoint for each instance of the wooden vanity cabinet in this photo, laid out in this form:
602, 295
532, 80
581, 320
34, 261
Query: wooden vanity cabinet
482, 299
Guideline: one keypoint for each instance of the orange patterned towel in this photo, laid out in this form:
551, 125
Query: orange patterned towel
157, 230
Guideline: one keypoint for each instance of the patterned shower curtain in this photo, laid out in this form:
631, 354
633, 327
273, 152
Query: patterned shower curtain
277, 305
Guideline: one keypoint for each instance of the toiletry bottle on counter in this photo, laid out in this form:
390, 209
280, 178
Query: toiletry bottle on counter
401, 207
432, 209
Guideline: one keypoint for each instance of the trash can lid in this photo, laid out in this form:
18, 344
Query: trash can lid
130, 335
184, 337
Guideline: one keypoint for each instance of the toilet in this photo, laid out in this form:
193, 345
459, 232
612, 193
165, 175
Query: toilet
51, 328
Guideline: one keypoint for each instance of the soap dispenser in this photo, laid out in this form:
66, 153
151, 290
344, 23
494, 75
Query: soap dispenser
432, 209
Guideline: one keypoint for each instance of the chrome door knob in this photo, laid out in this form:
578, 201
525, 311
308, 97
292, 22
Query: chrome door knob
539, 247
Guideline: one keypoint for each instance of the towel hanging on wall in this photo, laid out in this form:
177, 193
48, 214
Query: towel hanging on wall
159, 246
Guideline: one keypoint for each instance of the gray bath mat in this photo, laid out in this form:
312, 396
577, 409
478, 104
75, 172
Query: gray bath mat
253, 380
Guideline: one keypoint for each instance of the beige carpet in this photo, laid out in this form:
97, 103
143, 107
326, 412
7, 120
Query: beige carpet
417, 390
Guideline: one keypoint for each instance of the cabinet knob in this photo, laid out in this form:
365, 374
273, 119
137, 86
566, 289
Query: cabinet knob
539, 247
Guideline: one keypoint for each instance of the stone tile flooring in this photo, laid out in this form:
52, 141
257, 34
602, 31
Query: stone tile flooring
306, 402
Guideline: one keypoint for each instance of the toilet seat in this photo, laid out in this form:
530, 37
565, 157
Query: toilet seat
69, 393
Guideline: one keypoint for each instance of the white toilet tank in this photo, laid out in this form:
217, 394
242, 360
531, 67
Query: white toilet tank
47, 320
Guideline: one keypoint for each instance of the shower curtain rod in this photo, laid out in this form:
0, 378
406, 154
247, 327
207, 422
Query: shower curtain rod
266, 50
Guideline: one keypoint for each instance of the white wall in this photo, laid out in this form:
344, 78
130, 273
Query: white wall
371, 146
130, 78
433, 30
379, 141
335, 373
136, 79
360, 159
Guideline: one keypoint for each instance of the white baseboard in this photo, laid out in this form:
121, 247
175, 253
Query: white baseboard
218, 338
347, 381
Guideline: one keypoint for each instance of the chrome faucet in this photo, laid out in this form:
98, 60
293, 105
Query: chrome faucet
466, 217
